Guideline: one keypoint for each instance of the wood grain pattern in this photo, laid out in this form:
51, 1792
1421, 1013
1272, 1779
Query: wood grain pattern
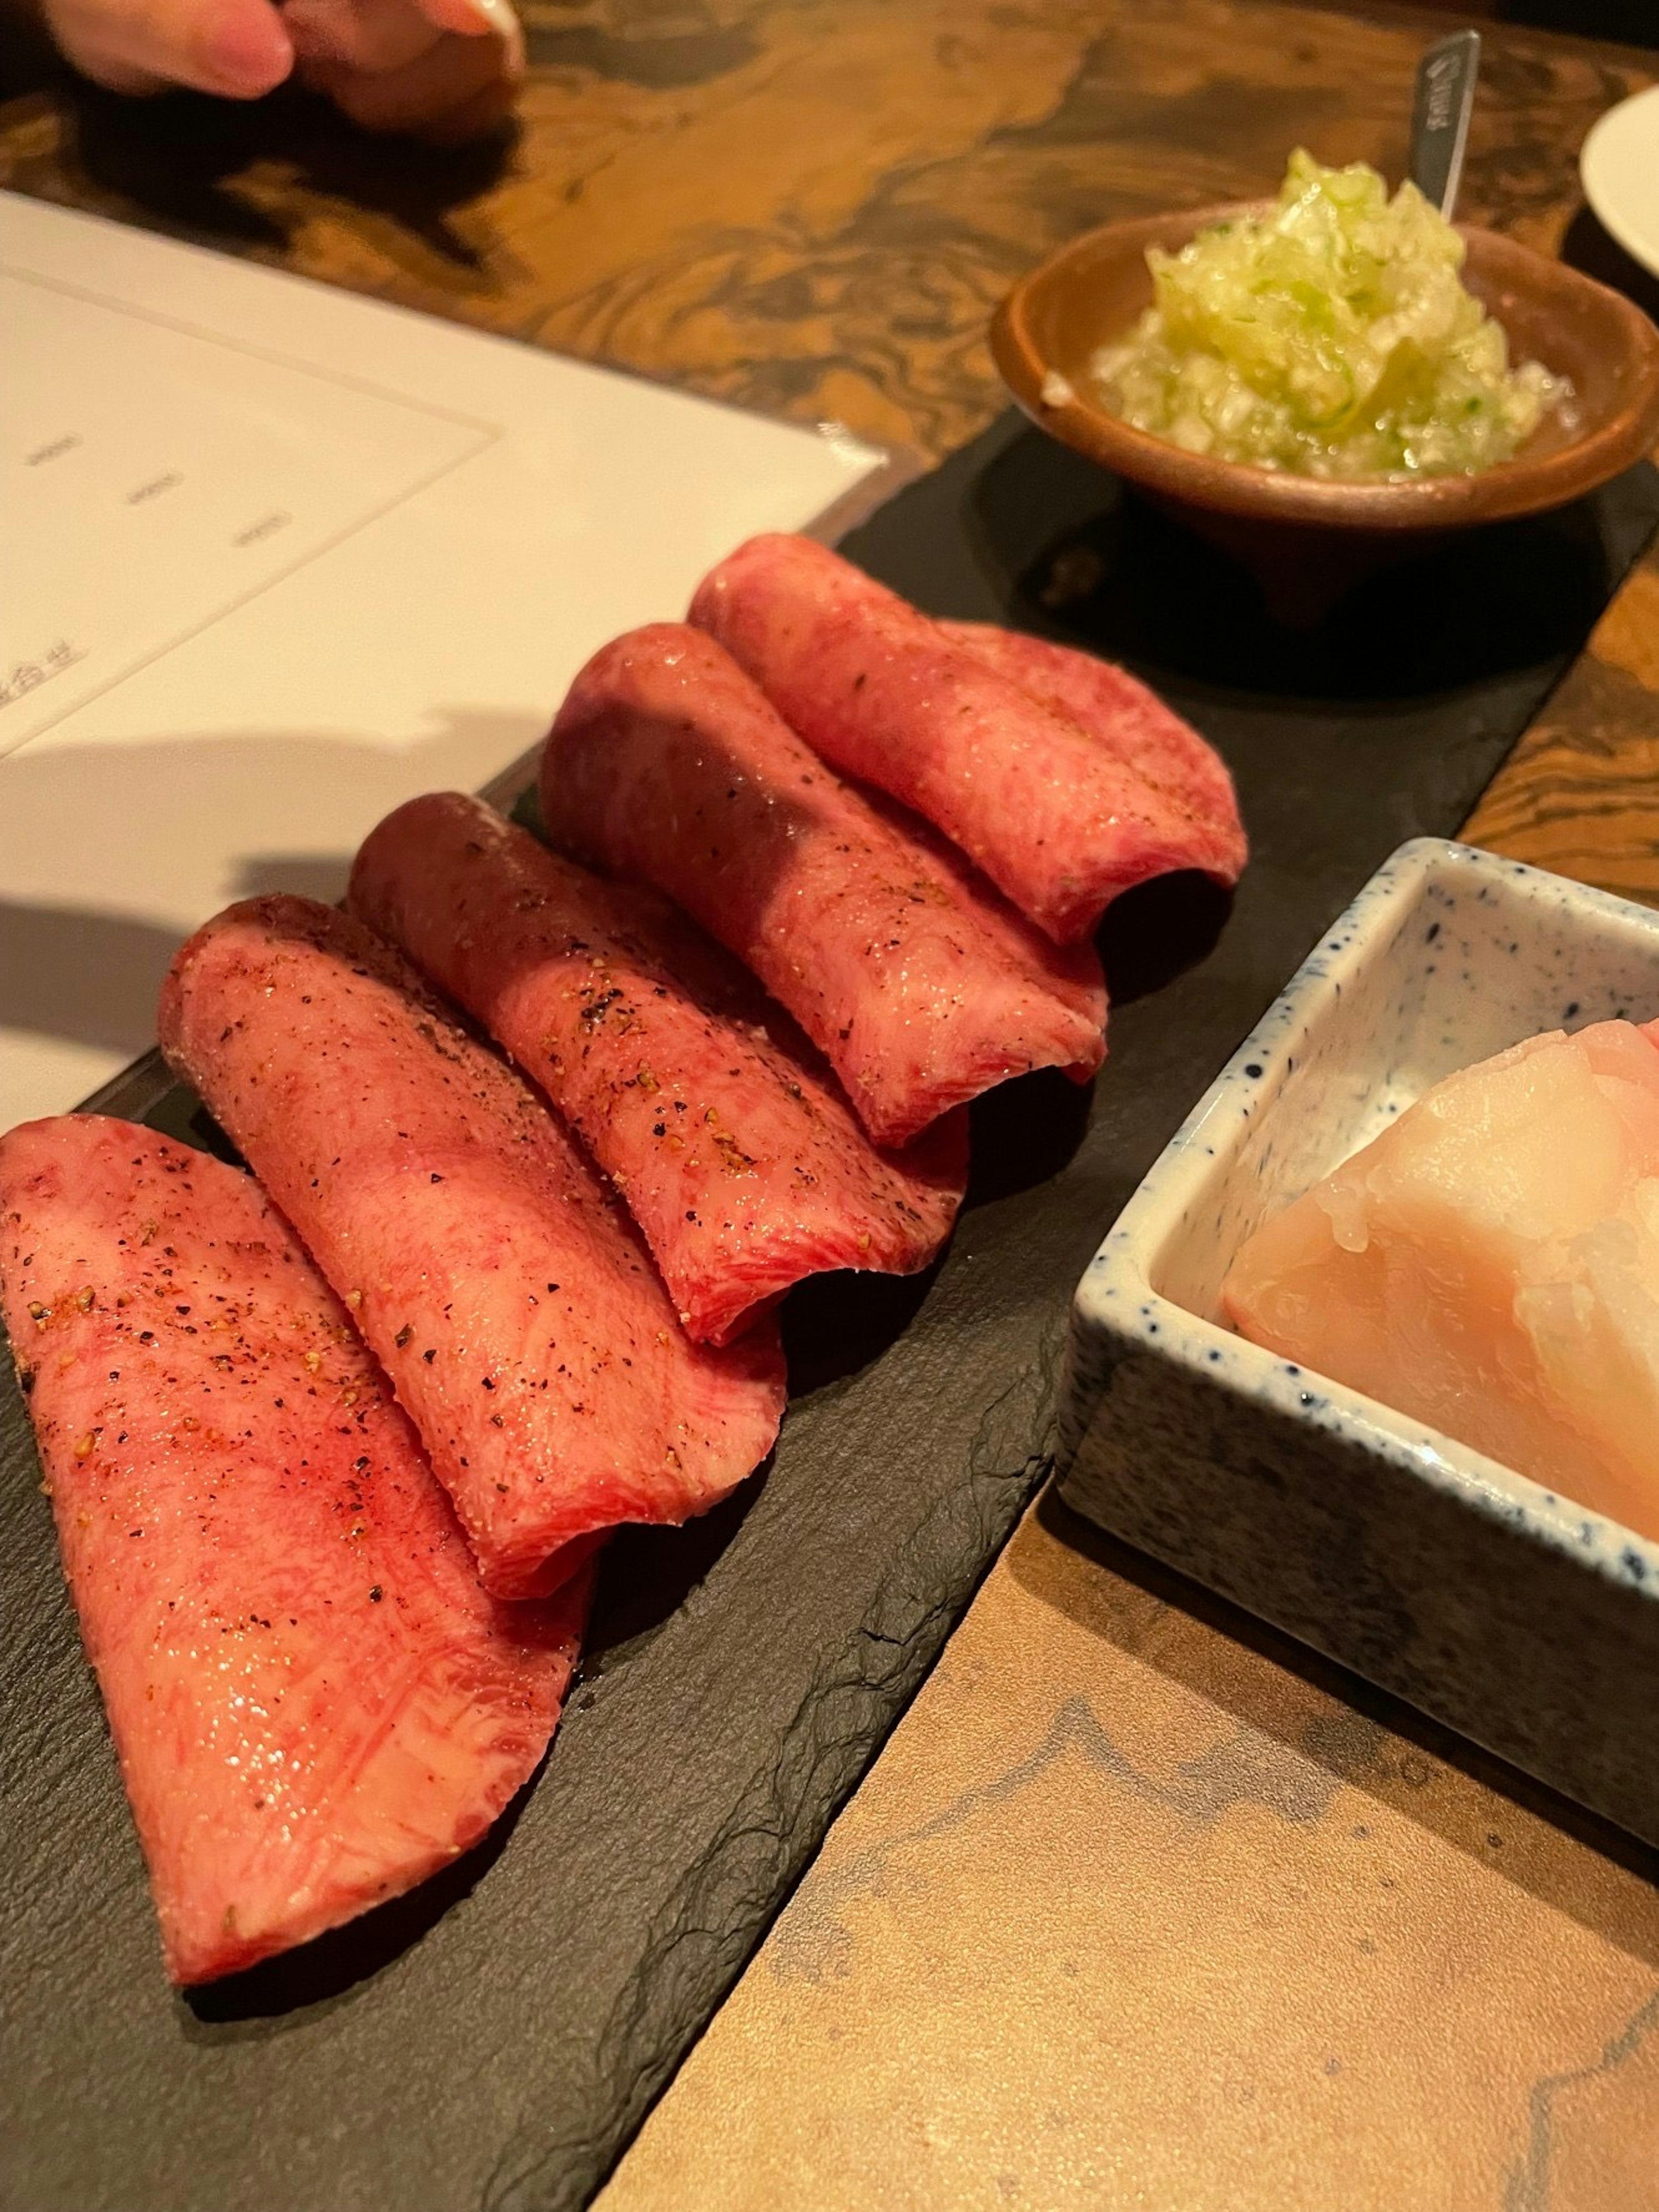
1580, 793
810, 207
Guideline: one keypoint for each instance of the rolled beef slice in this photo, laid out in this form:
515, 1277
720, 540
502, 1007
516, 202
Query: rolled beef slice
920, 985
506, 1292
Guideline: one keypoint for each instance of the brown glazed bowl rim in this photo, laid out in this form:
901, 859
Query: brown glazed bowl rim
1528, 484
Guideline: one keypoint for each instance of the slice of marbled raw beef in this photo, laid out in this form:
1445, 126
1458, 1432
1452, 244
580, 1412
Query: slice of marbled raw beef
919, 984
504, 1290
1060, 823
1128, 719
314, 1703
733, 1145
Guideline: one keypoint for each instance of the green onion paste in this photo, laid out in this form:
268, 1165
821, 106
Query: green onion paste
1331, 335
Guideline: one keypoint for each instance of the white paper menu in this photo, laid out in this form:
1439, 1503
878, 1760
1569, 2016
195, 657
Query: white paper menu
151, 500
274, 557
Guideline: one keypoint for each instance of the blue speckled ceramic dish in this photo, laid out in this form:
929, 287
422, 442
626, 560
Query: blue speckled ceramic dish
1507, 1611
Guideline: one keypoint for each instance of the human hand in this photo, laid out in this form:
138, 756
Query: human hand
445, 70
440, 70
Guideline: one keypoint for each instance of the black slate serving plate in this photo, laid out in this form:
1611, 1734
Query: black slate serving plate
494, 2039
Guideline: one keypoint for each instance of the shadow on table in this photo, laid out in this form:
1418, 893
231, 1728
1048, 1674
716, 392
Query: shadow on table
1594, 250
1078, 556
90, 976
1357, 1734
646, 1574
175, 160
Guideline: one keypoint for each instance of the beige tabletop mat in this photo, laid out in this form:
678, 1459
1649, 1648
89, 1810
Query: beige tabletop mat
1131, 1912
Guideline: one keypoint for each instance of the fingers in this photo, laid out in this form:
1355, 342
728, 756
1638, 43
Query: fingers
242, 48
470, 18
445, 70
458, 126
373, 36
459, 88
237, 48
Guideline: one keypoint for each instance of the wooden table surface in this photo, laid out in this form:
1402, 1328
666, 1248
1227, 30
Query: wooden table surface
1140, 1905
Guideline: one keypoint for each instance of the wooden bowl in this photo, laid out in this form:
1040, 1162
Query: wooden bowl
1047, 330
